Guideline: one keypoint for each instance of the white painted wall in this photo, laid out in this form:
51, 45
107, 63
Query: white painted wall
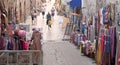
89, 7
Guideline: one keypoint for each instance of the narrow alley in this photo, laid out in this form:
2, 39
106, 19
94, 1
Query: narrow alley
56, 51
59, 32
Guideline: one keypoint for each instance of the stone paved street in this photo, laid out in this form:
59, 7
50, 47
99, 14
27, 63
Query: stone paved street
63, 53
59, 32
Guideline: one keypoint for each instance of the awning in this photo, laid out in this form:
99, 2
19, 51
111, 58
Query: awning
75, 3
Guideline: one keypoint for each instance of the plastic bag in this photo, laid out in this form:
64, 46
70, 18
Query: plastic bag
50, 22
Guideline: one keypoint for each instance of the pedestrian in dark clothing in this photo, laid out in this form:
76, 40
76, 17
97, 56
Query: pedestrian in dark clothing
52, 11
32, 16
48, 19
43, 11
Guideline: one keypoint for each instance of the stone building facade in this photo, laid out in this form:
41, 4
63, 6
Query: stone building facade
19, 10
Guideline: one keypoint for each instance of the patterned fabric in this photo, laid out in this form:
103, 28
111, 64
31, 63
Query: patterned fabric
118, 50
24, 45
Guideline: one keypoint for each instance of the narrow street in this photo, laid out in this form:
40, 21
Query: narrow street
59, 32
56, 51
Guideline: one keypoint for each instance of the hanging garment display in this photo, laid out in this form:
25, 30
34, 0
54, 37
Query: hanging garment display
112, 12
107, 49
83, 28
92, 34
99, 53
112, 31
0, 29
101, 16
118, 20
24, 45
118, 50
4, 31
9, 14
10, 45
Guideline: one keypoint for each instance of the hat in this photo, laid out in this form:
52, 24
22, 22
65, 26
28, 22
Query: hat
33, 29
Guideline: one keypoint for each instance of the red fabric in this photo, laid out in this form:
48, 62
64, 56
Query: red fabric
102, 48
1, 43
24, 45
10, 31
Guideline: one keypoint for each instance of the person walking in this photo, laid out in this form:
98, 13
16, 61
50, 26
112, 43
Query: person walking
48, 20
32, 16
52, 11
43, 11
36, 38
35, 17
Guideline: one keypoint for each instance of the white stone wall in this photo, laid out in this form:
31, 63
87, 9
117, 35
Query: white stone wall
118, 6
88, 7
27, 7
110, 1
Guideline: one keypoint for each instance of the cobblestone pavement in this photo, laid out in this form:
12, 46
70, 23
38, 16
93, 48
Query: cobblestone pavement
63, 53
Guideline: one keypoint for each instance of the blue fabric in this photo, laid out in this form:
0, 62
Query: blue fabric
83, 28
13, 25
75, 3
10, 45
107, 44
103, 16
74, 18
103, 12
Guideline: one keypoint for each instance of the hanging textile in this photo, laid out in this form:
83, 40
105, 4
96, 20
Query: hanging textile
118, 50
24, 45
75, 3
92, 34
0, 34
99, 53
9, 45
107, 49
102, 48
112, 12
83, 28
101, 16
1, 43
118, 20
112, 31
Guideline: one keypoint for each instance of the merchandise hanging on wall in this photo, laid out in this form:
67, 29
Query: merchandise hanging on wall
118, 21
118, 50
112, 12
